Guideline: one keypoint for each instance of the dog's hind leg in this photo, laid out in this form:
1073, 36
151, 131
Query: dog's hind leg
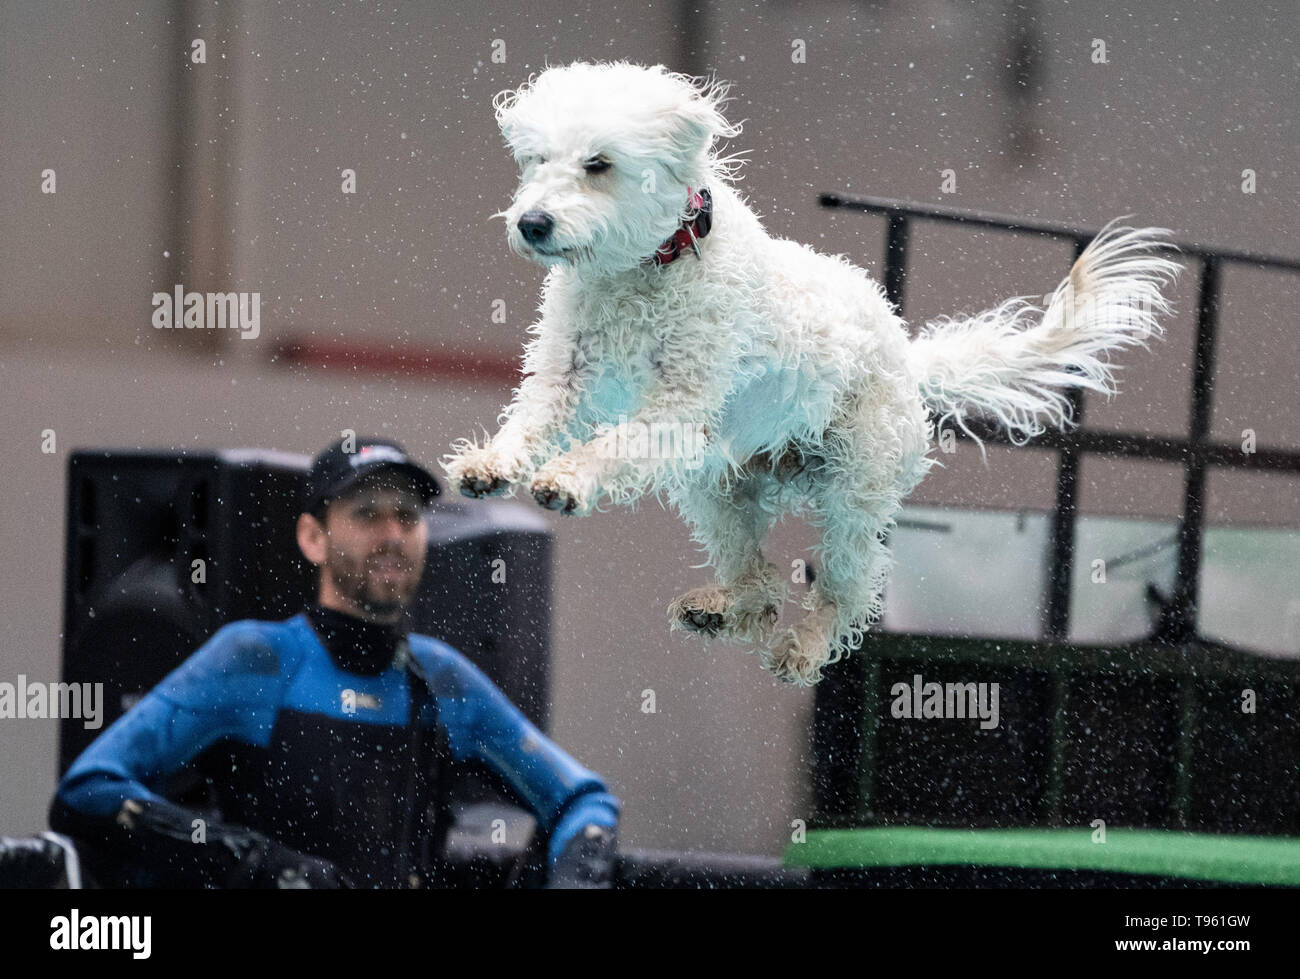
747, 597
856, 497
798, 654
845, 597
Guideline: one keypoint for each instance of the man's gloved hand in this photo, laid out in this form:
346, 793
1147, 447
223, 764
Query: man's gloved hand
268, 864
587, 860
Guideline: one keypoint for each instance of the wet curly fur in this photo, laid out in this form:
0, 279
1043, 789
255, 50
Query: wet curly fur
791, 367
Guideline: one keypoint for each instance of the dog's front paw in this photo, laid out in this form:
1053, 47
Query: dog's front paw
558, 487
480, 471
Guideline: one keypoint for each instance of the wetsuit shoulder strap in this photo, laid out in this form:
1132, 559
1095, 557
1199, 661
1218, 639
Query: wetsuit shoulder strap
436, 767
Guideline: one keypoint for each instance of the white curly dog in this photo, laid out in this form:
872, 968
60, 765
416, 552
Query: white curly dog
682, 350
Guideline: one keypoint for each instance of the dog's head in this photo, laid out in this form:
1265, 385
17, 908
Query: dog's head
606, 153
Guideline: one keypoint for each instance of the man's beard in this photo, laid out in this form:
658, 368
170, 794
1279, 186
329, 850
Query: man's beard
356, 582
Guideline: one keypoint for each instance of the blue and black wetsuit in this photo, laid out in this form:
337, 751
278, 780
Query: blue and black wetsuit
322, 736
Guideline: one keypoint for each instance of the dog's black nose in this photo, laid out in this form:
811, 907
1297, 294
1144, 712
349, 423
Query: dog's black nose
536, 226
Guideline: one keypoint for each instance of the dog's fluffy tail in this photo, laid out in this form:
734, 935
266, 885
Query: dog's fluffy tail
1010, 363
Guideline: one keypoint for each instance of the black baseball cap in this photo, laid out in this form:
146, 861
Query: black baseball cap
335, 471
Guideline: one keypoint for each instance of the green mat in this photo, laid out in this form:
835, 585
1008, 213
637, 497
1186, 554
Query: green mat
1236, 859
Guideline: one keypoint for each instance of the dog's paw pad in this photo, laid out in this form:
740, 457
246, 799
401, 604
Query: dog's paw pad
477, 487
704, 610
710, 623
788, 661
552, 499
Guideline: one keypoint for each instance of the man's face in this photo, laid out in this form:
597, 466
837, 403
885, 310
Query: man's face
375, 545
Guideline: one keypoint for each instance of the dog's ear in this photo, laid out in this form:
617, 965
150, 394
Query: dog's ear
695, 123
692, 126
504, 106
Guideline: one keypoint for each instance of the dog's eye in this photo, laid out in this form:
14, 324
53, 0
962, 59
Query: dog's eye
597, 166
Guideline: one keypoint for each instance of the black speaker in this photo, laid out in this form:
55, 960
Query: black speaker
164, 548
486, 591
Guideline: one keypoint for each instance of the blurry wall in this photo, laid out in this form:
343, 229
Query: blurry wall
226, 176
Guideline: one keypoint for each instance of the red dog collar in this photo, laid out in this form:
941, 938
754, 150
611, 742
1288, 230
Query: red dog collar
696, 226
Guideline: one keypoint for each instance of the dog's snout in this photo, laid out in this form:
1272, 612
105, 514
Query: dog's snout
536, 226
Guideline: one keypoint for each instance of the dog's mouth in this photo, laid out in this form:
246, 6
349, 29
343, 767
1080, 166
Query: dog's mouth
570, 255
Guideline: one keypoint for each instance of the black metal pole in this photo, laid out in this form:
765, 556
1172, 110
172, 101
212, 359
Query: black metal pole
1180, 623
1064, 515
896, 238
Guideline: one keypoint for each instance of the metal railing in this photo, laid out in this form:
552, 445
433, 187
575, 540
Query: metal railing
1196, 453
